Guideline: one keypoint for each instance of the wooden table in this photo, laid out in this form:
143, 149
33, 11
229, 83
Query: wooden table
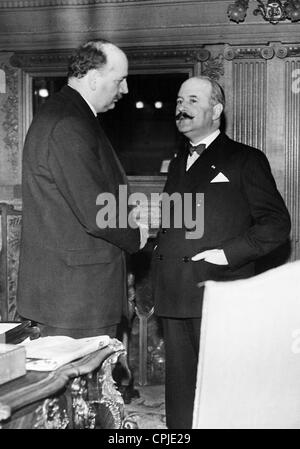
79, 395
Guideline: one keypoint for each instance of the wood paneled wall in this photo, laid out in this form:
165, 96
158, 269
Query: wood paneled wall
292, 147
257, 63
264, 111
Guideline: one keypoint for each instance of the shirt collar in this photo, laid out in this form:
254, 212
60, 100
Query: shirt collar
90, 105
207, 140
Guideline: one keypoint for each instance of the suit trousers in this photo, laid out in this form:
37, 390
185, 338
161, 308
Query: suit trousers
181, 338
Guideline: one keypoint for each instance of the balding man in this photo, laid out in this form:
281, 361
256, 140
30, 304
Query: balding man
72, 275
244, 219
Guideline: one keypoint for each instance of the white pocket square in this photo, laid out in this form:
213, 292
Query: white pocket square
220, 178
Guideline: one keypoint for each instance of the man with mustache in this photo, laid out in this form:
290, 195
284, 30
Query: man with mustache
72, 274
244, 218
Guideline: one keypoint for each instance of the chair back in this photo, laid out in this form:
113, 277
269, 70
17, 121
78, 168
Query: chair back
249, 358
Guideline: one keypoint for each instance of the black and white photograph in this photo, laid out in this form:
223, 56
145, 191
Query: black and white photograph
149, 217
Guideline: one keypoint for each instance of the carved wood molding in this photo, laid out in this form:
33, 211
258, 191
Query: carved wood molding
292, 163
249, 102
213, 67
10, 123
194, 53
84, 412
111, 399
47, 3
288, 51
41, 60
261, 52
57, 60
180, 57
50, 415
247, 52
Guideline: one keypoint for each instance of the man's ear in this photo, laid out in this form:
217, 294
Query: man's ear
217, 111
92, 78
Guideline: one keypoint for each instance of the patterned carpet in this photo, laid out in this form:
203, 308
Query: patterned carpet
148, 410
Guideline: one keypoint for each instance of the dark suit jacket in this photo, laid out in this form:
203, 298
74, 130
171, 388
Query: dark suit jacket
72, 273
246, 217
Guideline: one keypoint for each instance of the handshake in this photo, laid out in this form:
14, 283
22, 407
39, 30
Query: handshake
142, 224
144, 234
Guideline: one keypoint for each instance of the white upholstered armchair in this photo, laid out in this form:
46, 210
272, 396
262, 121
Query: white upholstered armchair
249, 361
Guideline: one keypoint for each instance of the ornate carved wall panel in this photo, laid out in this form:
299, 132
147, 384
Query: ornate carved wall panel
249, 105
246, 86
10, 169
10, 231
263, 90
66, 23
292, 147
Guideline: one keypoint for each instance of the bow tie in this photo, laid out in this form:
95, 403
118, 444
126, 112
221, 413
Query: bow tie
198, 148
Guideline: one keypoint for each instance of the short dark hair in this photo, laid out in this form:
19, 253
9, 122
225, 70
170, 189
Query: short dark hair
90, 55
217, 92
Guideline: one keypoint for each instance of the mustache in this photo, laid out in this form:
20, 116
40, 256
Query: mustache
181, 115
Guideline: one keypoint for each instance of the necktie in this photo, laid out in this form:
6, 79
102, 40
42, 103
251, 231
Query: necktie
198, 148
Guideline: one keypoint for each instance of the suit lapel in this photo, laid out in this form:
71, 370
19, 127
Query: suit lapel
206, 166
80, 104
106, 153
176, 177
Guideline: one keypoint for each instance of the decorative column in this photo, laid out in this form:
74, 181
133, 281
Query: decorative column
291, 59
264, 111
248, 79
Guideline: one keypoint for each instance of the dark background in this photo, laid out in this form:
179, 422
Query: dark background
143, 138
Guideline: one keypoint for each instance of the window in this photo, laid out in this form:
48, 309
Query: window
142, 125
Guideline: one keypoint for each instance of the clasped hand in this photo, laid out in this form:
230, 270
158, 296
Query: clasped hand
215, 256
143, 227
144, 234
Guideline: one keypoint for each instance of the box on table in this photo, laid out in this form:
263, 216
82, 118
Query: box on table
12, 362
13, 332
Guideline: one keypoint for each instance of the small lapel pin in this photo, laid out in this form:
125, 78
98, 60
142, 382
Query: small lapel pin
213, 166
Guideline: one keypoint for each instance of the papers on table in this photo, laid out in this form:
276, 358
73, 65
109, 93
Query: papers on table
49, 353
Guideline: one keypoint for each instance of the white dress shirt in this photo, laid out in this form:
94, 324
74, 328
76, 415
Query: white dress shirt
207, 141
90, 105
